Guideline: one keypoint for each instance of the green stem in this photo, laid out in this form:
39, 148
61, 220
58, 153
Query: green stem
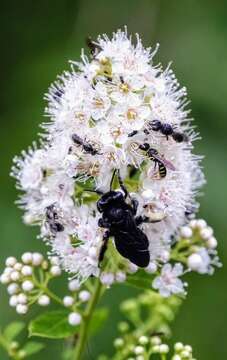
46, 290
4, 343
78, 350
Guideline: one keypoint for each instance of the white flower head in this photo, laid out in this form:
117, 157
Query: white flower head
101, 113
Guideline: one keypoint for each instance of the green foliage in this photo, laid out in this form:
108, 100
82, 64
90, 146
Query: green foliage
53, 325
98, 319
140, 280
13, 330
14, 349
32, 347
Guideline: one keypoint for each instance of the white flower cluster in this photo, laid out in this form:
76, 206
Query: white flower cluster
101, 113
196, 249
21, 281
154, 345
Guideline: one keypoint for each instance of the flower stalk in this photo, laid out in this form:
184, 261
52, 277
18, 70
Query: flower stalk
87, 316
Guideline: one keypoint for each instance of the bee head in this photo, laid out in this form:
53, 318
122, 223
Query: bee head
109, 199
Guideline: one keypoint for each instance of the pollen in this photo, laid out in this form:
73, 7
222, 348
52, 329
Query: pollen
99, 103
131, 114
124, 88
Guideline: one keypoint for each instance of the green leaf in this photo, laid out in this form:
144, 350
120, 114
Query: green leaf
140, 280
52, 325
97, 321
13, 329
32, 347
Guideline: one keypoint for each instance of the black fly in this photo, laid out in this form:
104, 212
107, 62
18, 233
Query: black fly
120, 221
52, 219
87, 147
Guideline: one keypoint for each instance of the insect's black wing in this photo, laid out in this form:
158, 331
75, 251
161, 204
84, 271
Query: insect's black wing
133, 246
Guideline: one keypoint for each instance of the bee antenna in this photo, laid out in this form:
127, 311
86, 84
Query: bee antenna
112, 179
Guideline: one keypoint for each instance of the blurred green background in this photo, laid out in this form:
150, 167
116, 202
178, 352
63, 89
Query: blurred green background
37, 39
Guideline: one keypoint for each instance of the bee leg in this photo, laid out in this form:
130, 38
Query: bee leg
103, 249
103, 224
144, 219
135, 204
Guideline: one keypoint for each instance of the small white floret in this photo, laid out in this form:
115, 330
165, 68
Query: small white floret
74, 319
186, 232
84, 295
44, 300
120, 276
139, 350
151, 268
26, 270
55, 270
68, 301
18, 266
13, 300
212, 242
206, 233
5, 279
107, 278
21, 309
26, 258
74, 285
12, 288
164, 348
37, 259
27, 285
15, 276
195, 262
22, 299
10, 261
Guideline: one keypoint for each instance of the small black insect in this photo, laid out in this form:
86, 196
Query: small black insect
167, 130
120, 221
88, 148
159, 160
93, 46
133, 133
52, 219
57, 94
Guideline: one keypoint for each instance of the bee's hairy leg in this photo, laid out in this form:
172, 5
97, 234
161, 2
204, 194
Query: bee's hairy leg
144, 219
103, 224
103, 249
135, 204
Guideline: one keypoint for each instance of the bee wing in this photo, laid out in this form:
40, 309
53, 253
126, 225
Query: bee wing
133, 246
168, 164
165, 162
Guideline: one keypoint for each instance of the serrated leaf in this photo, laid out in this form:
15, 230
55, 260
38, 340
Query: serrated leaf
140, 280
32, 347
13, 329
52, 325
97, 321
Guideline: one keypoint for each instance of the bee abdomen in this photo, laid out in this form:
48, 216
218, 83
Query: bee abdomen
162, 170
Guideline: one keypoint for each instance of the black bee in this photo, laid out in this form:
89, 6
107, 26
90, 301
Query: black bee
93, 46
88, 148
52, 219
120, 221
167, 130
159, 160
